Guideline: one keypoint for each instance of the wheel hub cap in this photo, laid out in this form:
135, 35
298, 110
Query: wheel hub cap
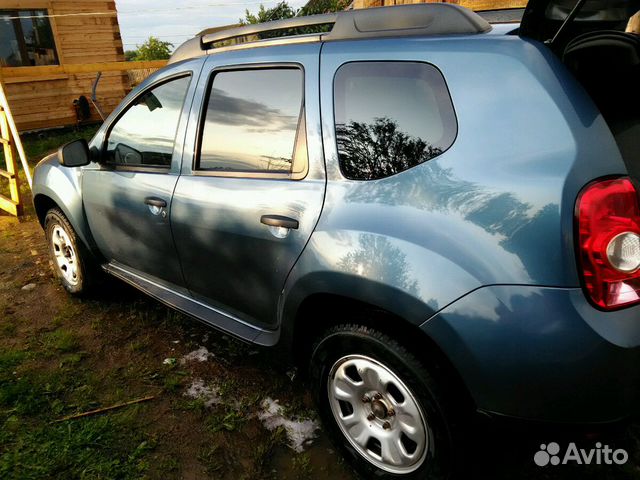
379, 409
378, 414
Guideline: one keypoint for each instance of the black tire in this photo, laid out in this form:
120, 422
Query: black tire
86, 270
355, 342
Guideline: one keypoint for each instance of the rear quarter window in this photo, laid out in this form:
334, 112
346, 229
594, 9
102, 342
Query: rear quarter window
390, 116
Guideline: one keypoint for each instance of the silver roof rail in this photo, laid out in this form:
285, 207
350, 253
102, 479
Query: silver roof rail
402, 20
258, 28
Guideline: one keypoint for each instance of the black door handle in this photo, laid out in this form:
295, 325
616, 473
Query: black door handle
155, 202
279, 221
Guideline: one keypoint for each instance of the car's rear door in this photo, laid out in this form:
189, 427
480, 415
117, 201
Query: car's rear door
127, 196
250, 196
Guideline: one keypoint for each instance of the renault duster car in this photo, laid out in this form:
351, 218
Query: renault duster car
435, 214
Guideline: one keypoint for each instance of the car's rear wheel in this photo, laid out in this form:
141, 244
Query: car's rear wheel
381, 405
72, 264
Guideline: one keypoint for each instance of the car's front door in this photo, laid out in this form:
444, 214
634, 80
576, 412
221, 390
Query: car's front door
249, 200
127, 196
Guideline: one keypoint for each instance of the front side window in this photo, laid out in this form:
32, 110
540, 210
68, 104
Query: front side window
26, 39
145, 134
390, 116
254, 122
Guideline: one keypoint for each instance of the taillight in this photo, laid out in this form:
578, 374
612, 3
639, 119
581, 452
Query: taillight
609, 242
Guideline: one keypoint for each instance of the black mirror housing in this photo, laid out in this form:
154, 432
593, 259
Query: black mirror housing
75, 154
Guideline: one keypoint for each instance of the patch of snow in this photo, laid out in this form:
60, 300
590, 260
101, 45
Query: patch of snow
29, 286
169, 361
299, 432
199, 355
210, 395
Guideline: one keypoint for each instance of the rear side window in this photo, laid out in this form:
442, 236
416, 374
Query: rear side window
254, 122
390, 116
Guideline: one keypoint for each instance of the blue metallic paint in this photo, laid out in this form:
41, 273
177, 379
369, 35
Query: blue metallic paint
542, 353
62, 185
465, 219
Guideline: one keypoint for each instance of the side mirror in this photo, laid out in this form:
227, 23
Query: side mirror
74, 154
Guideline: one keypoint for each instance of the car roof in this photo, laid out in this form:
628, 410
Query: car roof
397, 21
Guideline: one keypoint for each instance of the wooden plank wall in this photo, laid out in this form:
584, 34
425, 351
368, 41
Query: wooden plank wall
47, 101
472, 4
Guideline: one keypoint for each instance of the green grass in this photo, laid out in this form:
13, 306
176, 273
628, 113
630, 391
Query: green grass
302, 465
8, 328
35, 393
173, 381
227, 420
10, 359
211, 458
85, 448
33, 446
60, 341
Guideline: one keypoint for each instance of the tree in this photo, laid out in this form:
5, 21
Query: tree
316, 7
279, 12
379, 149
152, 49
283, 10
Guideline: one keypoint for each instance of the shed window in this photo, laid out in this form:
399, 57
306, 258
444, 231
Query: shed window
26, 39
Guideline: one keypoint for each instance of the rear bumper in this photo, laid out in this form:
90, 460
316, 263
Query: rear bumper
542, 354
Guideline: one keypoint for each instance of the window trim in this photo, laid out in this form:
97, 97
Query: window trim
456, 124
125, 108
22, 44
195, 165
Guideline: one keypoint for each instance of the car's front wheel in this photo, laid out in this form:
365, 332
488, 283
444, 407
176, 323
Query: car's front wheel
72, 263
381, 405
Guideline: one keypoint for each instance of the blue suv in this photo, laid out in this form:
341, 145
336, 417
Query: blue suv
435, 214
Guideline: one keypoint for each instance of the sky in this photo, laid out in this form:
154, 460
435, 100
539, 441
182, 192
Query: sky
177, 21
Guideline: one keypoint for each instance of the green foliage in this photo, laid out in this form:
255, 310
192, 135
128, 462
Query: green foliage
279, 12
317, 7
283, 10
130, 55
152, 49
379, 149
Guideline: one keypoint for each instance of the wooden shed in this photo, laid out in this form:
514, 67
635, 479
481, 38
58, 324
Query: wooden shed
50, 54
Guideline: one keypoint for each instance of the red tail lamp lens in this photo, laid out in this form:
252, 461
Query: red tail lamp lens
609, 235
